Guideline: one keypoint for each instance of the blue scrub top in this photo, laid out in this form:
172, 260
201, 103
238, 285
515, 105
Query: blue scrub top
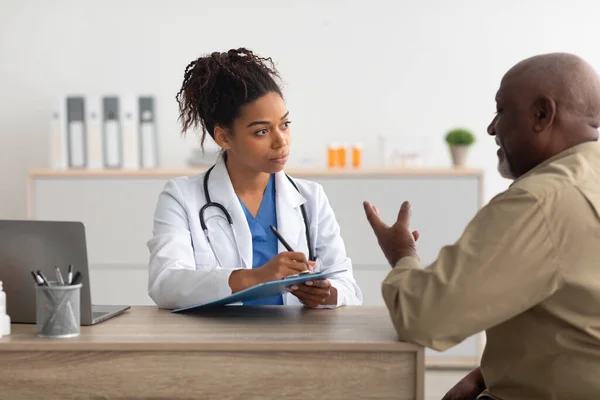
264, 242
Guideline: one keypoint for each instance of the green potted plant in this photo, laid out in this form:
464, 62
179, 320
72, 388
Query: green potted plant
459, 140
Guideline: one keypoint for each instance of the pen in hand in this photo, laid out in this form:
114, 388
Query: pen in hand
281, 239
285, 244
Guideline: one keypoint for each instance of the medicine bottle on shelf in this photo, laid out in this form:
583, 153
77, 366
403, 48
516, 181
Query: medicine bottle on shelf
332, 155
357, 155
343, 155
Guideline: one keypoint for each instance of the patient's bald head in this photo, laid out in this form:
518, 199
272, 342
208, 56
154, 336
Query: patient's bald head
545, 104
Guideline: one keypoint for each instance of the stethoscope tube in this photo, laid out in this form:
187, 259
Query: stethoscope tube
209, 203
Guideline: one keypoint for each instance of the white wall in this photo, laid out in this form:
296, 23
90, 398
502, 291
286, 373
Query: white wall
353, 69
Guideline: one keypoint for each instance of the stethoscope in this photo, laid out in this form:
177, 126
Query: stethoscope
209, 203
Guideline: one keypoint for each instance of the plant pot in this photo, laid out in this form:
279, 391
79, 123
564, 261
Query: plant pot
459, 155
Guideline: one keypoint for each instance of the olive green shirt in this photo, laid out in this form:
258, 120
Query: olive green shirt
527, 271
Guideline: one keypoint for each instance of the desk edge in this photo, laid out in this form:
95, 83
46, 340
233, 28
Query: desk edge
56, 345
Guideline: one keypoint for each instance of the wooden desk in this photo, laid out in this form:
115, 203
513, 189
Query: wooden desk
236, 353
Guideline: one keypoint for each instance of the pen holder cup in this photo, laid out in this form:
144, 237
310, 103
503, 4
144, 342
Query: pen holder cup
58, 310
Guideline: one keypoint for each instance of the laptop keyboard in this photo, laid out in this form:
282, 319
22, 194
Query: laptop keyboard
97, 314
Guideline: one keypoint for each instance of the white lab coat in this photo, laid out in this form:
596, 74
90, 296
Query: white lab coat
183, 270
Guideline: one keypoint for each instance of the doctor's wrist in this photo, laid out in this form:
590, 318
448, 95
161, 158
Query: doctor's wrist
242, 279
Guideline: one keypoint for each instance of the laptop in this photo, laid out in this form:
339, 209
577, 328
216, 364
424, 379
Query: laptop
31, 245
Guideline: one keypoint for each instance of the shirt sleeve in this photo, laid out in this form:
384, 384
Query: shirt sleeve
176, 278
503, 264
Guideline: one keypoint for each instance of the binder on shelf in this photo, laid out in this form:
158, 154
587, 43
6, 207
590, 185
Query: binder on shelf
111, 132
129, 118
76, 132
148, 140
94, 133
57, 136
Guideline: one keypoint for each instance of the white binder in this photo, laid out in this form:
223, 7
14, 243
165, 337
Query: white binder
76, 132
129, 118
94, 133
57, 139
111, 132
147, 133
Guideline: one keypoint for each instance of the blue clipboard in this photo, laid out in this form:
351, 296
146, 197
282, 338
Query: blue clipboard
260, 291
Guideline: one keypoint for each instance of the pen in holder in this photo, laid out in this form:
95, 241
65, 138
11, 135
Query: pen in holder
58, 310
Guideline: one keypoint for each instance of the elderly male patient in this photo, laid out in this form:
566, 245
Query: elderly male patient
527, 267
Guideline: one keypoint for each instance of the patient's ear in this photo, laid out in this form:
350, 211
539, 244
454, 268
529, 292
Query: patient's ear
544, 109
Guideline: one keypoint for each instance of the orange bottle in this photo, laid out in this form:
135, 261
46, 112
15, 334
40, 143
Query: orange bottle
342, 155
357, 155
332, 155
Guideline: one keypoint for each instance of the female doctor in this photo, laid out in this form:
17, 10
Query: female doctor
234, 98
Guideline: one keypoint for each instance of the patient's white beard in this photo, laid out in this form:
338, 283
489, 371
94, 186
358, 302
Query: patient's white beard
504, 169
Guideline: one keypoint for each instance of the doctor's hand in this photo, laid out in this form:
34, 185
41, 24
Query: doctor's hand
282, 265
315, 293
396, 241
